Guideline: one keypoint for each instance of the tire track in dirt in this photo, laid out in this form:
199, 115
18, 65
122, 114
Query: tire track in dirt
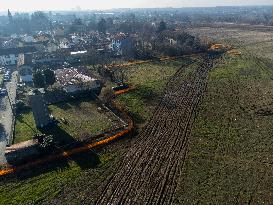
150, 171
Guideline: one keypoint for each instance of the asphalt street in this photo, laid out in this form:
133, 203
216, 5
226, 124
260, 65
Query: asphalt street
6, 115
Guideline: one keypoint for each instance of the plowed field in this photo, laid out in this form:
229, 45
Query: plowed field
150, 171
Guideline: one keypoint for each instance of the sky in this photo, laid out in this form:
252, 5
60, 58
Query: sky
32, 5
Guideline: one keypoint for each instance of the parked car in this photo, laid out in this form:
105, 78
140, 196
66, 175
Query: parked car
6, 79
121, 86
3, 91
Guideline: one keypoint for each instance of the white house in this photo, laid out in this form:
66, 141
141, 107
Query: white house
64, 43
10, 56
117, 43
28, 39
172, 41
75, 80
76, 39
8, 59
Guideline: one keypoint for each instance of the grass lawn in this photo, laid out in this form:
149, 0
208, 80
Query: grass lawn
46, 182
150, 82
82, 116
25, 127
230, 152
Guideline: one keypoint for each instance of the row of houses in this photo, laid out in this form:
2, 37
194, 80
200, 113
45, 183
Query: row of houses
10, 56
47, 48
71, 80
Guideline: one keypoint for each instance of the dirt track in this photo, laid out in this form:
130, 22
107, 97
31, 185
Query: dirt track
150, 171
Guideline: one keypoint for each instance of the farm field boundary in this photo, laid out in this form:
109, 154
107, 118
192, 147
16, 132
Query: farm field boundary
139, 62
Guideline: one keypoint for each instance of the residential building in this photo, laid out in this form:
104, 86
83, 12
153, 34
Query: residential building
122, 45
117, 42
52, 47
77, 80
24, 59
10, 56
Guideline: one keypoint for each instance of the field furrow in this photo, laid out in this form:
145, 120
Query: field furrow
150, 171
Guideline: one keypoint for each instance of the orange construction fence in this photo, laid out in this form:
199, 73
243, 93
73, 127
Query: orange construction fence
119, 92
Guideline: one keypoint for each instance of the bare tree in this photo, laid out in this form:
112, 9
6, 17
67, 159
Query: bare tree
107, 95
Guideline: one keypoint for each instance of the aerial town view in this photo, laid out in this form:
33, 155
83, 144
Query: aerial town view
136, 102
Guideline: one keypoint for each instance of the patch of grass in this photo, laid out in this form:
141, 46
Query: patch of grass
230, 151
150, 81
46, 182
25, 127
82, 116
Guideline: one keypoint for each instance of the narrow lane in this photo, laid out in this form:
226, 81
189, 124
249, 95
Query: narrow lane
6, 115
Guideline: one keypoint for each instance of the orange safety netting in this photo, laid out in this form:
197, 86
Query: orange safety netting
119, 92
234, 52
219, 46
87, 147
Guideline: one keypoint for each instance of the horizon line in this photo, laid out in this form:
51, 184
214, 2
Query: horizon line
112, 9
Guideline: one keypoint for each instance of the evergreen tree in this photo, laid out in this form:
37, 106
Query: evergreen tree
102, 26
49, 77
162, 27
38, 79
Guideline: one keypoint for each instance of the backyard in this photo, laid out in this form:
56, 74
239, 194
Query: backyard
78, 119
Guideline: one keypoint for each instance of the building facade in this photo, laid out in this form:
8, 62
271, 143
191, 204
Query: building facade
10, 56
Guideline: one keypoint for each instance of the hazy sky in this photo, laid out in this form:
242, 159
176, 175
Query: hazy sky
29, 5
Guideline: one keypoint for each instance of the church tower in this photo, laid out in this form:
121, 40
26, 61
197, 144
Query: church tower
10, 17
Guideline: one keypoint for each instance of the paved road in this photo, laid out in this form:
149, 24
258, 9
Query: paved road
6, 116
2, 129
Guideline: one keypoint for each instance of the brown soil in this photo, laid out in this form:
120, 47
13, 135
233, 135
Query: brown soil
150, 172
